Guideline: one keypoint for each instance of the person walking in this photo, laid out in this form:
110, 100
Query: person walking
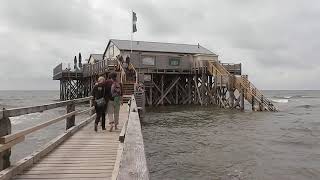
100, 103
115, 95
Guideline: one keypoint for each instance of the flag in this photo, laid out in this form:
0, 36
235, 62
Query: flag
134, 21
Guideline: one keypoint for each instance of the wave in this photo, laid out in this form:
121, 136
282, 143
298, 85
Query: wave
295, 97
306, 106
280, 100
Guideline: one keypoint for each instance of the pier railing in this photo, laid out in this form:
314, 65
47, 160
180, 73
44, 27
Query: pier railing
95, 69
233, 68
8, 139
133, 163
57, 70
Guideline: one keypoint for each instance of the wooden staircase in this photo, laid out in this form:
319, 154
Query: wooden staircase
241, 83
128, 91
128, 86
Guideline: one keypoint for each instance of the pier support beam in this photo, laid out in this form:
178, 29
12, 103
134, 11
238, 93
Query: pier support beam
5, 129
242, 100
70, 120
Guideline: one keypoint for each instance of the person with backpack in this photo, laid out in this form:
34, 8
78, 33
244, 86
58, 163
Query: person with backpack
100, 103
115, 100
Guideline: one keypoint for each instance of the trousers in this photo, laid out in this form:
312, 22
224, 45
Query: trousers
113, 112
101, 114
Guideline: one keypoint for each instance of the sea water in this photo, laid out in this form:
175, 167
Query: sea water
198, 142
194, 142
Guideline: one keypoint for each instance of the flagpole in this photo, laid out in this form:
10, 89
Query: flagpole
131, 30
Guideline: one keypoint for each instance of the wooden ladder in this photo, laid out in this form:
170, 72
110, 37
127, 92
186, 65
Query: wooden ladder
242, 83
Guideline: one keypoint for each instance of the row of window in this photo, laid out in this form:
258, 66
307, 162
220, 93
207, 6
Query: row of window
151, 61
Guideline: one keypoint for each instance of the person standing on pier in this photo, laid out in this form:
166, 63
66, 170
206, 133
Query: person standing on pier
114, 90
100, 103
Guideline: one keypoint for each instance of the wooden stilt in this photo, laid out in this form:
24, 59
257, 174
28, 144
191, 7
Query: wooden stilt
242, 100
162, 86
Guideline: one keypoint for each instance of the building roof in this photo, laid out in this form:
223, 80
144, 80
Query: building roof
160, 47
97, 57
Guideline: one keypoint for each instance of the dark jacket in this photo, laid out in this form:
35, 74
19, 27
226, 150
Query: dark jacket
107, 85
99, 91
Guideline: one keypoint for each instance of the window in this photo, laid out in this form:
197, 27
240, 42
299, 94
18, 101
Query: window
111, 51
174, 61
149, 60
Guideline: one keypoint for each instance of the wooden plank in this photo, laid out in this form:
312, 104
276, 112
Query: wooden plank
34, 109
62, 176
77, 178
6, 146
117, 163
10, 137
66, 171
123, 132
97, 167
133, 164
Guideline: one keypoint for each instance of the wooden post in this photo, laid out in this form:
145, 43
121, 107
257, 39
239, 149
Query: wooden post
162, 86
252, 103
231, 94
190, 88
5, 129
177, 93
202, 87
70, 120
242, 100
151, 100
261, 104
215, 90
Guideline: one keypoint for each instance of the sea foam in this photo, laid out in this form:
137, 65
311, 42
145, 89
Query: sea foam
280, 100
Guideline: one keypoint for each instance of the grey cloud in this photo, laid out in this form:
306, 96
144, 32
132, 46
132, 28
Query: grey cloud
266, 36
57, 16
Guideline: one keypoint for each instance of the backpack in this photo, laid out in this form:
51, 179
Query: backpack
115, 89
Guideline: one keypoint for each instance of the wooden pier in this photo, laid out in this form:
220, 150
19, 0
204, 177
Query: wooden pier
80, 152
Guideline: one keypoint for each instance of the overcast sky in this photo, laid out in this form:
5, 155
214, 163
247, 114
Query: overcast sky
277, 42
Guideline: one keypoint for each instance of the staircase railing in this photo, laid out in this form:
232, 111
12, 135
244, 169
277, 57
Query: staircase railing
135, 72
216, 68
122, 71
253, 91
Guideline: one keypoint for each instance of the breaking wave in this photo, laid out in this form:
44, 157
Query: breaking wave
280, 100
295, 97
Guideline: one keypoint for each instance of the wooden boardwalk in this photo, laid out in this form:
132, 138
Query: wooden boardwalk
85, 155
